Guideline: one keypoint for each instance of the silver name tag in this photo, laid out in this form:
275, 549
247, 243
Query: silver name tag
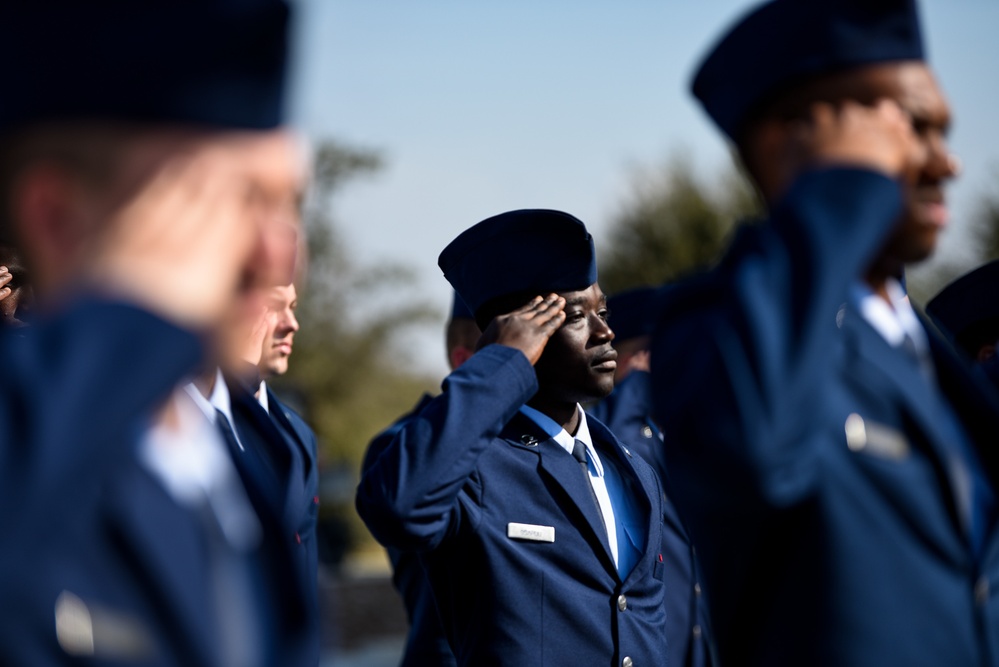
527, 531
876, 439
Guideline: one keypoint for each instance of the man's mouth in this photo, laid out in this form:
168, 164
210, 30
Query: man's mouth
936, 213
606, 362
933, 207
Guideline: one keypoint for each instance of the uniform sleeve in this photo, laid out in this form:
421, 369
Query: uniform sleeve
77, 390
408, 496
738, 352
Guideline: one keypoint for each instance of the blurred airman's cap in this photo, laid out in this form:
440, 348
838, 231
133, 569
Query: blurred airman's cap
783, 42
968, 308
201, 62
630, 313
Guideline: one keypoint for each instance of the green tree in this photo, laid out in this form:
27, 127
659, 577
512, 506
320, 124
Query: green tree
347, 375
984, 236
671, 224
346, 369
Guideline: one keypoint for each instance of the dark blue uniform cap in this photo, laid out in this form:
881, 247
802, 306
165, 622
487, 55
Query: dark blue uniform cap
459, 311
201, 62
786, 41
534, 251
971, 302
630, 313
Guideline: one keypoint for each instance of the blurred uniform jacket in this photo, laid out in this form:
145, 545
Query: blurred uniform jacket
626, 412
426, 645
508, 531
815, 464
100, 564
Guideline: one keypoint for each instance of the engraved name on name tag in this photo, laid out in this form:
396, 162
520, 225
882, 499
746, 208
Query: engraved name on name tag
527, 531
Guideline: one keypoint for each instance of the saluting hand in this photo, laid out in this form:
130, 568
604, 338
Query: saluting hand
878, 137
178, 245
5, 277
527, 329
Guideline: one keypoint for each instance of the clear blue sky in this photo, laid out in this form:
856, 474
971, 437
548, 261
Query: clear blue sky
484, 106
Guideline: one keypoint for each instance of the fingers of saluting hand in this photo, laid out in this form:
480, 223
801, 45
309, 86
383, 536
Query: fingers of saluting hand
5, 277
544, 311
878, 137
528, 328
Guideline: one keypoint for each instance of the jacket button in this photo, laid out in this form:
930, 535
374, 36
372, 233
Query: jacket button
622, 602
696, 631
982, 591
647, 431
697, 589
627, 662
298, 538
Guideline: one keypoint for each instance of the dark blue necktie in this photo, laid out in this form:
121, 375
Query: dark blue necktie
579, 453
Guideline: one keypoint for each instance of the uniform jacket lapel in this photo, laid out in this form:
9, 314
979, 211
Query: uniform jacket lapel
641, 483
879, 364
297, 438
562, 471
975, 402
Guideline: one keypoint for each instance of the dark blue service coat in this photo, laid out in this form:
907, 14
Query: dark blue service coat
90, 536
509, 534
303, 520
626, 412
426, 644
815, 464
280, 453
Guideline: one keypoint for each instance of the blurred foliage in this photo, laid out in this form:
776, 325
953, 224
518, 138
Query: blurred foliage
985, 224
672, 224
347, 368
348, 376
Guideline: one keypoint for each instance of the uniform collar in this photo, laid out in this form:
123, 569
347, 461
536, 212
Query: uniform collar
562, 437
262, 397
894, 319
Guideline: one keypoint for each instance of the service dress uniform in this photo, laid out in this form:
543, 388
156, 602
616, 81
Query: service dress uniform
835, 461
119, 549
302, 504
523, 566
627, 413
426, 644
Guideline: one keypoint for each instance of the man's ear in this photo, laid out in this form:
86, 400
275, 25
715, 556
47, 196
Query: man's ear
985, 352
769, 158
45, 207
459, 355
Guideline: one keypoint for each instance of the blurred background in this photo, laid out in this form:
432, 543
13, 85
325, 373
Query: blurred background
426, 117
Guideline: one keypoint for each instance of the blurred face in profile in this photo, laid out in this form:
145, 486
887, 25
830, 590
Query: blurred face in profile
80, 181
281, 303
272, 168
912, 85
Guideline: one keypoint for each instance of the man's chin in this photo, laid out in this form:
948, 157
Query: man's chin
602, 390
272, 368
914, 244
